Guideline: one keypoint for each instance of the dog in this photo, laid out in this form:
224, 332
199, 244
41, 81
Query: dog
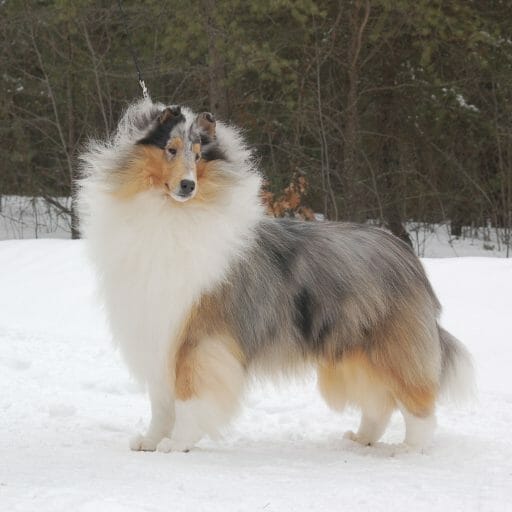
203, 290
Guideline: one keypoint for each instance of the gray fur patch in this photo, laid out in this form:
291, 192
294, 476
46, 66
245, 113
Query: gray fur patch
318, 287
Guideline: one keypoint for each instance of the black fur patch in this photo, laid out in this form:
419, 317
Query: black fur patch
325, 330
212, 152
210, 149
205, 139
304, 312
159, 136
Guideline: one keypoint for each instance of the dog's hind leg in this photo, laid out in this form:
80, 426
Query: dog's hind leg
410, 361
209, 380
353, 380
418, 430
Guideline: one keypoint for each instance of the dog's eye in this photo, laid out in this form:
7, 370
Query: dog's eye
171, 151
197, 157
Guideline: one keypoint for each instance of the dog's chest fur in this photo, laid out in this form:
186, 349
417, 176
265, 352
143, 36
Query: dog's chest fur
154, 262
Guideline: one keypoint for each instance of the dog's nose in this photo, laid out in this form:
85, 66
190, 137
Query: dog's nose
187, 186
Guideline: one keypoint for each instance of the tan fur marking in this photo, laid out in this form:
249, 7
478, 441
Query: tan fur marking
186, 369
404, 354
211, 181
208, 355
331, 384
146, 168
150, 167
209, 369
204, 167
356, 379
175, 143
418, 400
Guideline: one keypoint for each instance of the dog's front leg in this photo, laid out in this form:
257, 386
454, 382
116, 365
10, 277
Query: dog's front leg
161, 395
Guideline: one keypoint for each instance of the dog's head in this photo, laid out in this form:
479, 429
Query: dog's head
173, 158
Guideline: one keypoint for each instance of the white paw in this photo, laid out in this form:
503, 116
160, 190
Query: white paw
356, 438
140, 443
167, 445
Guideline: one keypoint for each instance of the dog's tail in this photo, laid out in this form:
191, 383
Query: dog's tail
458, 375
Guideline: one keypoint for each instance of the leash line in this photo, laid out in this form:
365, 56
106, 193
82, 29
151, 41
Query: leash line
142, 84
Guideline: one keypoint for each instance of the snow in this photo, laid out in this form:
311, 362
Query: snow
68, 408
435, 241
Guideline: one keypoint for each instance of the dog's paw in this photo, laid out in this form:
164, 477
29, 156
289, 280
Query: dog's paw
140, 443
352, 436
167, 445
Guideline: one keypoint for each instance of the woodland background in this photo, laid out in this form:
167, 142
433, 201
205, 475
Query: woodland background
379, 110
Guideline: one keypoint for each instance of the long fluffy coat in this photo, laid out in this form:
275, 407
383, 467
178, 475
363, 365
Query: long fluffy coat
202, 289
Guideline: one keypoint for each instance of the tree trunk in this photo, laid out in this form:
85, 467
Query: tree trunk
218, 94
75, 233
352, 178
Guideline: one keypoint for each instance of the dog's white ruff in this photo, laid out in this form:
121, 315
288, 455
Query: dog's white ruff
154, 259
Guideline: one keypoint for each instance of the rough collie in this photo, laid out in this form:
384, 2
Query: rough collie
202, 289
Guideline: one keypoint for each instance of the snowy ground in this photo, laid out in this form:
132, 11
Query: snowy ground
67, 409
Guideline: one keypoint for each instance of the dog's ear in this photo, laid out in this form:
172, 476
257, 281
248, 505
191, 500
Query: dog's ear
168, 113
206, 123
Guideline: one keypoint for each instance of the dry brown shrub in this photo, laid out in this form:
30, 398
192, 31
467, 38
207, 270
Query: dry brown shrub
291, 201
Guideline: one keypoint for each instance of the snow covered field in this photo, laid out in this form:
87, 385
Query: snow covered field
68, 407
